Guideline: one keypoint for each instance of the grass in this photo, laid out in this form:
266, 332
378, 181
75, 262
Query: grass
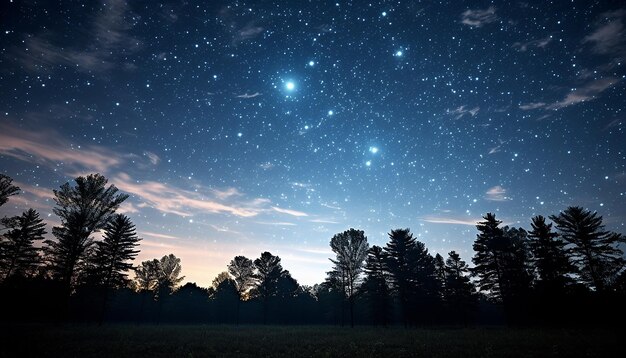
298, 341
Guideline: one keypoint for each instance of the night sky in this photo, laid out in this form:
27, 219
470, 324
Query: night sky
239, 127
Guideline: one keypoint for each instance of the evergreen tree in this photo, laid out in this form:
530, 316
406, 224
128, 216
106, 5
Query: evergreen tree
440, 269
398, 252
18, 254
350, 248
113, 255
549, 255
268, 272
83, 210
375, 285
459, 291
7, 189
168, 278
147, 275
488, 263
592, 249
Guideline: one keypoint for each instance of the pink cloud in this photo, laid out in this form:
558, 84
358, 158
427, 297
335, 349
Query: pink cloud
289, 212
49, 149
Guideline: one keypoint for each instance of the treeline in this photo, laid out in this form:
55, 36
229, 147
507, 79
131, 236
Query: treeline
569, 271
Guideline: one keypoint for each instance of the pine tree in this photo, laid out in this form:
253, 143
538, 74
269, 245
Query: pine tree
19, 255
375, 286
459, 291
488, 263
549, 255
7, 189
268, 272
113, 255
398, 252
592, 249
83, 210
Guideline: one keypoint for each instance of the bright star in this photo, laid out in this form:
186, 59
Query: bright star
399, 53
290, 86
311, 63
330, 113
373, 150
368, 163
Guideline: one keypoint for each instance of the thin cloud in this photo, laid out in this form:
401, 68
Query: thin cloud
107, 34
448, 220
533, 105
323, 221
157, 235
461, 111
608, 36
279, 223
289, 211
524, 46
496, 193
173, 200
49, 149
152, 157
246, 95
585, 93
479, 18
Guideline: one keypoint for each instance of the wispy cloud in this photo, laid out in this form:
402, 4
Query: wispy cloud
50, 149
107, 34
449, 220
174, 200
246, 95
496, 193
608, 36
324, 221
533, 105
461, 111
278, 223
152, 157
479, 18
524, 46
157, 235
585, 93
289, 211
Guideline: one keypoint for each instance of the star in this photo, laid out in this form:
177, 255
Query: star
290, 86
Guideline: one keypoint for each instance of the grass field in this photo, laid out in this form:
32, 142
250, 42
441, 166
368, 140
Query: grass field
287, 341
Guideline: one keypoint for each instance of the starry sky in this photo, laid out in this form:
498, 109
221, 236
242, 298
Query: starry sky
244, 126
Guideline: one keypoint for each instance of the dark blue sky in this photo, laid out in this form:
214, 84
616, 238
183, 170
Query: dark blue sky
247, 126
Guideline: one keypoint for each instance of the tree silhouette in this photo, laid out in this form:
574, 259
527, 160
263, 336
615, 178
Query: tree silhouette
488, 259
593, 250
549, 256
7, 189
350, 248
147, 275
268, 272
398, 256
113, 255
375, 285
18, 254
225, 298
241, 269
83, 210
168, 275
459, 291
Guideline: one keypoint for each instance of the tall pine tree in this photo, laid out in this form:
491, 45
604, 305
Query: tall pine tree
549, 255
19, 256
375, 287
7, 188
593, 249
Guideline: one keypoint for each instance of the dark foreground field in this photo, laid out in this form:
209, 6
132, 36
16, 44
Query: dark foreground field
287, 341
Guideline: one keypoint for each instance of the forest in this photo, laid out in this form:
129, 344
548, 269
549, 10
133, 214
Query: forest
565, 269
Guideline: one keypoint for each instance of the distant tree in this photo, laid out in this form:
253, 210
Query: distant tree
83, 210
169, 275
398, 255
7, 189
549, 255
350, 248
593, 249
19, 256
113, 255
241, 269
147, 275
440, 269
268, 272
459, 291
225, 298
426, 288
375, 286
